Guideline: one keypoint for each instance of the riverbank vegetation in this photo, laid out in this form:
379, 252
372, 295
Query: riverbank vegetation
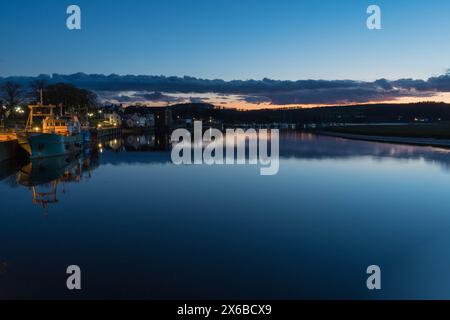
435, 130
426, 112
14, 99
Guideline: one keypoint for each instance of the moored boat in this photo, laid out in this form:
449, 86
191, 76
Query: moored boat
55, 136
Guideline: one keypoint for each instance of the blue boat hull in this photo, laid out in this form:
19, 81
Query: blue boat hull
43, 145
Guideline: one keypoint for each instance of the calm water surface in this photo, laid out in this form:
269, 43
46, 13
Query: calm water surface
140, 227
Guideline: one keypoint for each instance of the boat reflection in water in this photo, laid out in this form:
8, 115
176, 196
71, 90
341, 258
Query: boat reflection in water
44, 176
47, 177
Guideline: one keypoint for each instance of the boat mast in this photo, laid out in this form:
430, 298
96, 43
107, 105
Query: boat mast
31, 115
30, 119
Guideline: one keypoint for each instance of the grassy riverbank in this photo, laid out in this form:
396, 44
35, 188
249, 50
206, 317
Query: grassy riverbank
435, 131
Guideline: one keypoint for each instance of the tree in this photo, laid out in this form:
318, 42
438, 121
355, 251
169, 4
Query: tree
11, 92
2, 111
38, 85
69, 97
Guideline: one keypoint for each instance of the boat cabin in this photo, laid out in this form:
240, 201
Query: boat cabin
59, 125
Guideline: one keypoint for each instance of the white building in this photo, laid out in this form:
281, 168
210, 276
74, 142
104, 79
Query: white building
113, 118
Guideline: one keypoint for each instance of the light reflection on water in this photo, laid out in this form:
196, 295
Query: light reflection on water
140, 227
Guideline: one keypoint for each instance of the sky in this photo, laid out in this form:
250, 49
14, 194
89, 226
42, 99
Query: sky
227, 39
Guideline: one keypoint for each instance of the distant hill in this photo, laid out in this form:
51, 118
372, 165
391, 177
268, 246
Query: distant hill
367, 113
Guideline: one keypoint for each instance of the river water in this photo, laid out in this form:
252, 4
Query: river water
140, 227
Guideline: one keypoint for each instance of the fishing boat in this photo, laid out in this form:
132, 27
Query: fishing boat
54, 136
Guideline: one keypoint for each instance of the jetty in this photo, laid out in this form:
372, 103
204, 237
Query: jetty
103, 132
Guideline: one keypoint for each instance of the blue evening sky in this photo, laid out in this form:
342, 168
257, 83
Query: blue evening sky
227, 39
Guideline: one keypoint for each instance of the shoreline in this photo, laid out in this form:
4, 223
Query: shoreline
423, 142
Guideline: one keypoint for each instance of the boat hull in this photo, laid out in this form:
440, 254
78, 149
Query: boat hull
43, 145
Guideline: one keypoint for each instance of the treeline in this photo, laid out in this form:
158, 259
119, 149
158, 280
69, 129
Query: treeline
371, 113
67, 96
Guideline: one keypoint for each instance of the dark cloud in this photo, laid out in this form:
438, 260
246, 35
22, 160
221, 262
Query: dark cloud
383, 84
155, 97
130, 97
198, 100
362, 94
150, 88
441, 83
419, 85
122, 98
256, 99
